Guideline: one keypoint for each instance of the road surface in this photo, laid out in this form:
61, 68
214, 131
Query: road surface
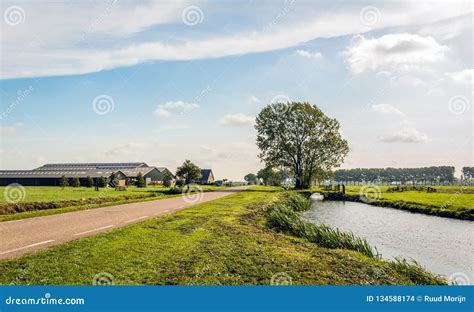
24, 236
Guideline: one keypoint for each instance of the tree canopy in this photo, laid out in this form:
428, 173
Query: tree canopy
468, 172
251, 178
300, 137
188, 172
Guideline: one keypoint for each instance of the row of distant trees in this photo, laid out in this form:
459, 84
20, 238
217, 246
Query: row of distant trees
467, 173
425, 175
268, 176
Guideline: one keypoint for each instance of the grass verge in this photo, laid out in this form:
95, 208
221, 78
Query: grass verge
283, 215
223, 242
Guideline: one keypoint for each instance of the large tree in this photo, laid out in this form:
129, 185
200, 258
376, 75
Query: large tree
299, 136
188, 172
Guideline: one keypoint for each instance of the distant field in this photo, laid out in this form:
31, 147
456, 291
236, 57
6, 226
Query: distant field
452, 197
46, 200
448, 201
54, 193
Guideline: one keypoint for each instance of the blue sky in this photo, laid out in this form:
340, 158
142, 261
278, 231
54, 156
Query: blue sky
166, 81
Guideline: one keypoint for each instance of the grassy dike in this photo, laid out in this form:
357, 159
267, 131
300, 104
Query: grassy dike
403, 201
224, 242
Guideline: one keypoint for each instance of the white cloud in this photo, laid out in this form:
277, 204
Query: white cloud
462, 77
405, 134
309, 54
9, 131
165, 110
161, 112
254, 99
237, 120
386, 109
86, 41
393, 52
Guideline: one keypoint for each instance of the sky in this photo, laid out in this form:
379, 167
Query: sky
165, 81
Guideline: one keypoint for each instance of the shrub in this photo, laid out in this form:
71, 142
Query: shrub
89, 182
140, 180
167, 179
75, 182
63, 182
102, 182
175, 190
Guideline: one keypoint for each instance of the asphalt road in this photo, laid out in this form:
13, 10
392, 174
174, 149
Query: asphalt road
24, 236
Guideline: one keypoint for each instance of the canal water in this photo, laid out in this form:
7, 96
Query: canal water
442, 245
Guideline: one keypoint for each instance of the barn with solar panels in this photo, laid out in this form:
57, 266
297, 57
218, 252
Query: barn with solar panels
50, 174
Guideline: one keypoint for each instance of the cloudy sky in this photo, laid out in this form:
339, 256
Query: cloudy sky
164, 81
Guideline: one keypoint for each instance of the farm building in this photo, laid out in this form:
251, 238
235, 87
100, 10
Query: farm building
50, 174
207, 177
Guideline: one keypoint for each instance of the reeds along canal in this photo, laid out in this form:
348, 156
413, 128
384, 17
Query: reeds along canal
443, 245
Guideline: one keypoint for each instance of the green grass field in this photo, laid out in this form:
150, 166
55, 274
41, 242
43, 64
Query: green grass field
452, 197
59, 200
223, 242
447, 201
53, 193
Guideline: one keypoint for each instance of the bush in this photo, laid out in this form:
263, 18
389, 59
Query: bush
63, 182
102, 182
75, 182
89, 182
175, 190
140, 180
